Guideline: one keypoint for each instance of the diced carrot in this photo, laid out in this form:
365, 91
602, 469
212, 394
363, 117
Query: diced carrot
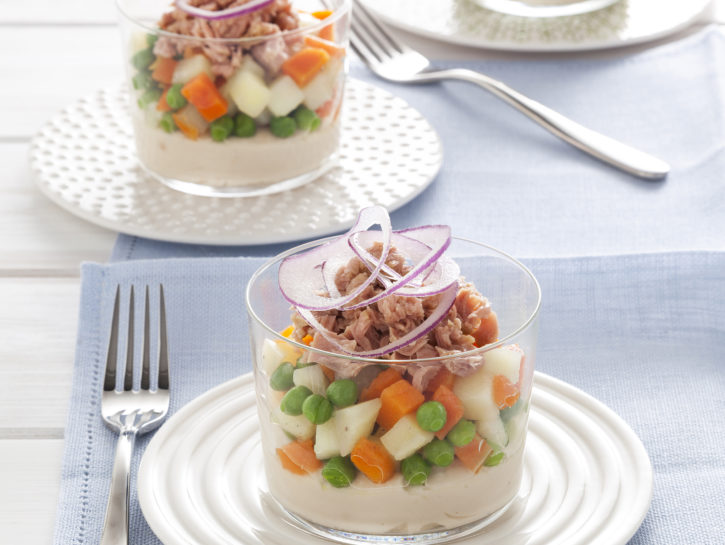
307, 339
287, 331
305, 64
302, 454
162, 105
373, 461
505, 392
322, 14
202, 93
164, 70
329, 373
474, 453
190, 122
487, 330
326, 108
332, 49
444, 376
328, 32
383, 380
288, 464
454, 408
398, 399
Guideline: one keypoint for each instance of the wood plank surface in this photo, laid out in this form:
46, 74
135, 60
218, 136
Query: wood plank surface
30, 477
38, 320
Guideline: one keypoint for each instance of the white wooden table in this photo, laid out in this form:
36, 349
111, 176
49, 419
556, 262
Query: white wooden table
51, 53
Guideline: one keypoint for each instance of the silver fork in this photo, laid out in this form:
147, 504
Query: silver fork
131, 412
394, 61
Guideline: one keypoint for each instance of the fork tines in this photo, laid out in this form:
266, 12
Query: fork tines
109, 383
369, 39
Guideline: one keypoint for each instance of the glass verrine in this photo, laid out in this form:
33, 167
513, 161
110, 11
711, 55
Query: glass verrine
545, 8
240, 106
310, 451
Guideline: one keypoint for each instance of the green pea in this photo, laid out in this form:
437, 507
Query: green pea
151, 39
221, 128
151, 96
431, 416
281, 378
167, 122
143, 80
493, 459
143, 58
317, 409
513, 410
462, 433
415, 470
439, 452
306, 119
174, 98
282, 127
342, 392
244, 126
339, 472
292, 401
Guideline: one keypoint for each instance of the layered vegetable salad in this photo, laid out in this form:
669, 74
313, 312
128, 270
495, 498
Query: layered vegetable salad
402, 394
228, 69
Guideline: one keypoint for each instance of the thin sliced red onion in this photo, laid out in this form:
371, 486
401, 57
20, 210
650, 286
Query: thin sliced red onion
448, 298
236, 11
438, 238
304, 287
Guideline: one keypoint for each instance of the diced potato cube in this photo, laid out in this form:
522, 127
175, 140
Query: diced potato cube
318, 91
312, 377
271, 356
284, 96
355, 422
405, 437
299, 426
493, 431
250, 65
326, 443
188, 69
249, 92
504, 361
476, 394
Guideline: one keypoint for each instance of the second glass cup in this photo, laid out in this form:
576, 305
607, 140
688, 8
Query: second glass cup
360, 461
236, 106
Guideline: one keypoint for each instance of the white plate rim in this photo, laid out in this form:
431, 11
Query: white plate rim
542, 47
224, 239
639, 509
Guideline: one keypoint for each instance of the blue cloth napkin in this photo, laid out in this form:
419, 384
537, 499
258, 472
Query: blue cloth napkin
510, 183
642, 333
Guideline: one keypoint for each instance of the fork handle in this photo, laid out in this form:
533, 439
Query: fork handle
115, 525
602, 147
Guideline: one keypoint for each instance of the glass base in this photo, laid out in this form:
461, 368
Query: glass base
204, 190
432, 537
544, 8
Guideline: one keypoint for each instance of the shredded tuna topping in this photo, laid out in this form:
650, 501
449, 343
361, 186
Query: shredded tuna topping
226, 57
373, 326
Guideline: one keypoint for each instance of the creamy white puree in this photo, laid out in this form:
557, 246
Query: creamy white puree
260, 160
452, 497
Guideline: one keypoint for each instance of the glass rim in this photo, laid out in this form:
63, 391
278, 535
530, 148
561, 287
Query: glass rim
344, 8
478, 351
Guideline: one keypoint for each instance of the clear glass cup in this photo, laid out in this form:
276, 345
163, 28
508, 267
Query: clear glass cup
484, 478
545, 8
232, 117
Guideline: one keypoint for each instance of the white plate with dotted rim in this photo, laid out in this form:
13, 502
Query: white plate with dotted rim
463, 22
84, 160
587, 475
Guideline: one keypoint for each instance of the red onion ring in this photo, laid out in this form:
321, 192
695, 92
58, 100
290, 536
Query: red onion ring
448, 298
303, 287
249, 7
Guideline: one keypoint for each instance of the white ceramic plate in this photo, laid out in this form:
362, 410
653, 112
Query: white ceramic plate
84, 160
465, 23
587, 476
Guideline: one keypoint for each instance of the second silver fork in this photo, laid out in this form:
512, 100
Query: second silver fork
394, 61
131, 412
